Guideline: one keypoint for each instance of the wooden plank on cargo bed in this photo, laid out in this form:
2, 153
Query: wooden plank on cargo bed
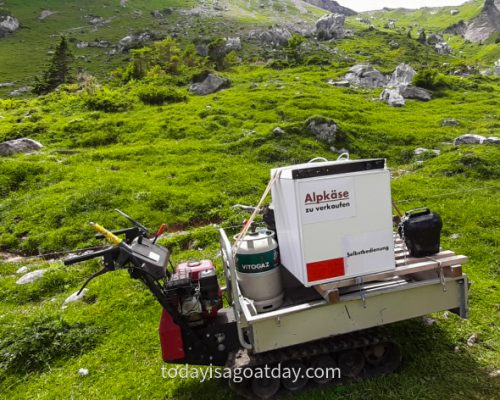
330, 295
420, 265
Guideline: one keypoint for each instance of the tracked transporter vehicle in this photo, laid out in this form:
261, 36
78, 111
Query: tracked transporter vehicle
309, 290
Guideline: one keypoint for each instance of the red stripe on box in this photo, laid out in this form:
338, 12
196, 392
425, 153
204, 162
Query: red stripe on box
321, 270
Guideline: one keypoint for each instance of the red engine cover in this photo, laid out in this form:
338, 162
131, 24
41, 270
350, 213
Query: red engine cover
195, 267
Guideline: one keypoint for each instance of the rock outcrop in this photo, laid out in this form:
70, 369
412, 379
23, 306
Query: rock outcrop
486, 23
137, 40
332, 6
275, 36
399, 87
23, 145
330, 26
209, 84
457, 29
8, 24
439, 43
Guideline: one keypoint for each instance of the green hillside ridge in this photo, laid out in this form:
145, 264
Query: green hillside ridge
24, 53
136, 139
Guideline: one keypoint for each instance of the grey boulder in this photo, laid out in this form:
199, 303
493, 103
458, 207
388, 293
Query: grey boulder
416, 93
365, 76
210, 84
469, 139
8, 24
402, 76
393, 97
23, 145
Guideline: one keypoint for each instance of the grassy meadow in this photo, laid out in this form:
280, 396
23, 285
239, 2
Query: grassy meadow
147, 146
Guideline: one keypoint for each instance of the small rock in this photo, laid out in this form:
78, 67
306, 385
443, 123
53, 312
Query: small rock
472, 340
23, 145
83, 372
393, 45
278, 131
45, 14
456, 349
343, 83
454, 12
20, 91
428, 321
31, 277
324, 129
446, 315
6, 84
22, 270
450, 122
75, 297
469, 139
494, 374
157, 14
232, 44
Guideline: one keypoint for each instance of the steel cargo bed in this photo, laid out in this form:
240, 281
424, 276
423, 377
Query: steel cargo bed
417, 287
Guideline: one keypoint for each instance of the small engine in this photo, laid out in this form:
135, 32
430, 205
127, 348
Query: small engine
195, 291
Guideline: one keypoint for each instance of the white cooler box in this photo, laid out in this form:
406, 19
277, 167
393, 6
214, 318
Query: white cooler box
334, 219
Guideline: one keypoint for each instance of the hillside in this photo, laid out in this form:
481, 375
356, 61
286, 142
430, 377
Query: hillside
137, 132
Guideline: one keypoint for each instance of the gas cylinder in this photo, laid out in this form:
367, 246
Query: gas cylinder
258, 270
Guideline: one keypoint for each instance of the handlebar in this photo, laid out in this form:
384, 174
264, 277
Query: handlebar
118, 232
88, 256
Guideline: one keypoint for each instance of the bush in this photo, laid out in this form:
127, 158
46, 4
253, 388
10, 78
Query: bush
429, 79
157, 95
107, 101
42, 342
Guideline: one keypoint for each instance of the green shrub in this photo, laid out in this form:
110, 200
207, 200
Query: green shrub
158, 95
43, 342
107, 101
429, 79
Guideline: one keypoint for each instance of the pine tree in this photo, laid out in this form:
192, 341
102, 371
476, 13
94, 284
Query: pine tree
59, 70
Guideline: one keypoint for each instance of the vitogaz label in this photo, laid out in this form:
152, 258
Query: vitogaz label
327, 200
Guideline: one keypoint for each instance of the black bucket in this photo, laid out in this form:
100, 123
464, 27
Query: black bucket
421, 230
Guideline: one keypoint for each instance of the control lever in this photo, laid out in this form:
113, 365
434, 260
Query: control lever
160, 231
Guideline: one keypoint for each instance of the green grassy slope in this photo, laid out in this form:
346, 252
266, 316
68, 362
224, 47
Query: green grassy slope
23, 55
434, 19
186, 164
